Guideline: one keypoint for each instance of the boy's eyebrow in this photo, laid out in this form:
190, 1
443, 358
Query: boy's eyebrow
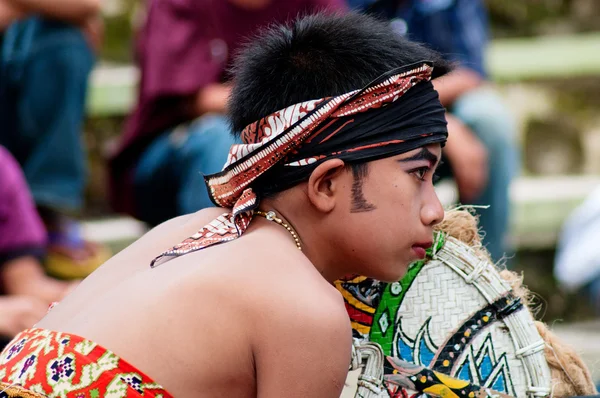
423, 154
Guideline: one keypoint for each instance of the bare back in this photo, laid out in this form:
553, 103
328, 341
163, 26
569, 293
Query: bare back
229, 320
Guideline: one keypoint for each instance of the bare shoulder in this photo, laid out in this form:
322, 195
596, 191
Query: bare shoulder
298, 299
286, 282
269, 303
303, 343
299, 331
270, 281
140, 254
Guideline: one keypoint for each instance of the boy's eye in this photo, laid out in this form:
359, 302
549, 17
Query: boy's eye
420, 173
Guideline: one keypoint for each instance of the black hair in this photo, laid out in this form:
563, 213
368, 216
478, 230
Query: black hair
317, 56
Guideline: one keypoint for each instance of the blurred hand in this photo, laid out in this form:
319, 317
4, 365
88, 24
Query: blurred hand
25, 276
469, 160
9, 14
18, 313
93, 29
212, 98
455, 84
52, 290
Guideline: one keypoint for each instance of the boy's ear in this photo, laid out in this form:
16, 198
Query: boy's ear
324, 184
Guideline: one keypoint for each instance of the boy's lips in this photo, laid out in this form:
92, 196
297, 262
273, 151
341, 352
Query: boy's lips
420, 249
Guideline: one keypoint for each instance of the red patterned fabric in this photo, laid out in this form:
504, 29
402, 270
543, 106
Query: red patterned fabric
42, 363
268, 141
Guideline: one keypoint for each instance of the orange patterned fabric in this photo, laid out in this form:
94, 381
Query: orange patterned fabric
270, 140
42, 363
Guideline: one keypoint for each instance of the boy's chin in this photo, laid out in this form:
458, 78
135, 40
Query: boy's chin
390, 274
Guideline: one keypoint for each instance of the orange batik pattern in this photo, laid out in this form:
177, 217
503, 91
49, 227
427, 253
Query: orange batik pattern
42, 363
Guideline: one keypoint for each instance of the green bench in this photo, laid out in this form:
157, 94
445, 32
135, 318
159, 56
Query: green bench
544, 57
112, 91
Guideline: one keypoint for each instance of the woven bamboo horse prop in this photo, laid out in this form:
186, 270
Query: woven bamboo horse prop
456, 326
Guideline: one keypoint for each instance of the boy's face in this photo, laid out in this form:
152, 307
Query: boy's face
386, 220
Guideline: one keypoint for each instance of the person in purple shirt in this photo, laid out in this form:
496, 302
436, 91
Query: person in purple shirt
25, 290
177, 132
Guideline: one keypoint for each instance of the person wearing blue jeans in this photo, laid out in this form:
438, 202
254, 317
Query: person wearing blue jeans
46, 57
481, 153
45, 65
177, 161
484, 113
178, 131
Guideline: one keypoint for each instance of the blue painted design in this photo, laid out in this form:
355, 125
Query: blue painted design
425, 354
405, 351
486, 367
500, 383
465, 372
420, 351
488, 371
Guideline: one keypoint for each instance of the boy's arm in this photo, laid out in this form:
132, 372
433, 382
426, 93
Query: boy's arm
458, 82
211, 98
307, 355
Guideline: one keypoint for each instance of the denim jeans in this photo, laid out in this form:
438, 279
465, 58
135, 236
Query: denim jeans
169, 177
483, 111
44, 70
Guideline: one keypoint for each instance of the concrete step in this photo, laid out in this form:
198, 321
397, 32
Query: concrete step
113, 231
112, 90
540, 205
564, 56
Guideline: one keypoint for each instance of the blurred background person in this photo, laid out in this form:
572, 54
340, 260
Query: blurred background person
481, 153
25, 289
577, 263
178, 131
46, 58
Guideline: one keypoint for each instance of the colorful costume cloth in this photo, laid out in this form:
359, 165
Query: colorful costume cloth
42, 363
451, 327
362, 125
